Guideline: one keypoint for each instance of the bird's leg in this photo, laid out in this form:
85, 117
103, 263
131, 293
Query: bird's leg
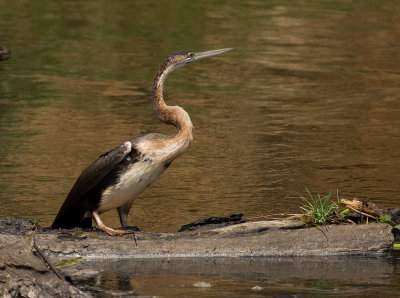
123, 212
103, 227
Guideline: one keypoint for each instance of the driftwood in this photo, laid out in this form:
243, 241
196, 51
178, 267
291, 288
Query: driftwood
363, 209
366, 208
262, 238
221, 221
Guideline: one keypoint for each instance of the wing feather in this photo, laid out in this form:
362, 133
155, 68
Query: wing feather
89, 178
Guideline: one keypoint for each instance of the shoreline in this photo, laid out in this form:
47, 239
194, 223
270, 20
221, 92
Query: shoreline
28, 251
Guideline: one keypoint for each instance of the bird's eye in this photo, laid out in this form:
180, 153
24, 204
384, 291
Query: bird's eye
191, 54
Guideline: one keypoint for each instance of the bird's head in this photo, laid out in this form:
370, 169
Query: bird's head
182, 58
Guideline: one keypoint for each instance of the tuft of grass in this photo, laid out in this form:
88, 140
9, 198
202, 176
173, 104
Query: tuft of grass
319, 210
35, 222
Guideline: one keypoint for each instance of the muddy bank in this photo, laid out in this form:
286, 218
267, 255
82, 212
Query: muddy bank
249, 239
24, 273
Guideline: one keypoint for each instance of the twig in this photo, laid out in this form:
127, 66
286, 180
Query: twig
350, 221
134, 238
47, 261
322, 233
360, 212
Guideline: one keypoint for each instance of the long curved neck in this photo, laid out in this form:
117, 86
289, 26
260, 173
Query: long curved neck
172, 115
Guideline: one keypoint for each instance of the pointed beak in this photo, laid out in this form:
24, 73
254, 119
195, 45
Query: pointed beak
201, 55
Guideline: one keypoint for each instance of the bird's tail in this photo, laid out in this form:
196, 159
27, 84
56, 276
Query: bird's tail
72, 219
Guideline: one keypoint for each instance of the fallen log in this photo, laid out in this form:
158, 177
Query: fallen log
249, 239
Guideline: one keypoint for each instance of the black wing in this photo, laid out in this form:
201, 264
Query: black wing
72, 211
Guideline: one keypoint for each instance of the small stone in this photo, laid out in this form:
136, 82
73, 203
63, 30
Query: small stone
257, 289
122, 293
202, 284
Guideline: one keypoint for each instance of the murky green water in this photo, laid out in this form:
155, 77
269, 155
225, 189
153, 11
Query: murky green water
310, 97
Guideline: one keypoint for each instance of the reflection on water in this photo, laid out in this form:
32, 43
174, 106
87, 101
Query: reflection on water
309, 98
330, 276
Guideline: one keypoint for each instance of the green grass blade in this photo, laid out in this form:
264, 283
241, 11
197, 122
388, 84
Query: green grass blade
69, 262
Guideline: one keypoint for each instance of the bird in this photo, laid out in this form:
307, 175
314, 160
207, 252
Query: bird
120, 175
5, 54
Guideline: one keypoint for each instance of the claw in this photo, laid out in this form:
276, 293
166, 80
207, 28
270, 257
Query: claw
108, 230
101, 226
113, 232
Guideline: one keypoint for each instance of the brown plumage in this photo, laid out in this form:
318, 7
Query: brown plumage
117, 177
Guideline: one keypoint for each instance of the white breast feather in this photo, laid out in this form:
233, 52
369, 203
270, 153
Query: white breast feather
139, 176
